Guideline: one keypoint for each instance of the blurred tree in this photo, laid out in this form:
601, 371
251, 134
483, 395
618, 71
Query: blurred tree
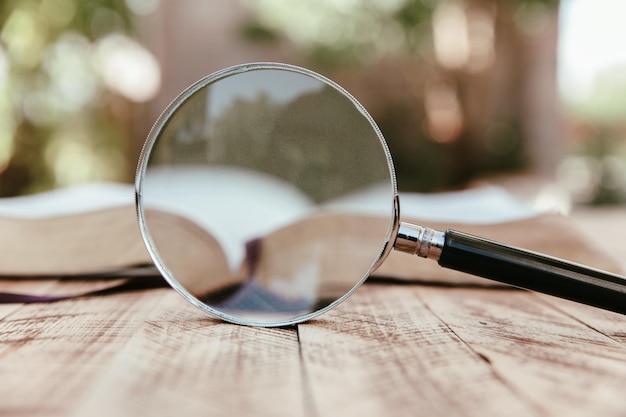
595, 172
65, 92
460, 88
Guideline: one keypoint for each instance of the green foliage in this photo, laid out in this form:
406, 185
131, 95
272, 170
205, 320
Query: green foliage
607, 163
258, 32
342, 34
334, 34
414, 13
56, 121
93, 18
605, 104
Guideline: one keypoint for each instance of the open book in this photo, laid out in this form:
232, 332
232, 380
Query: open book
93, 228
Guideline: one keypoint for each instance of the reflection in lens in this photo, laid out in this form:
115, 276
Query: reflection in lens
253, 190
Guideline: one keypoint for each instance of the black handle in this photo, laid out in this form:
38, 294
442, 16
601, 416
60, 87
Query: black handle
533, 271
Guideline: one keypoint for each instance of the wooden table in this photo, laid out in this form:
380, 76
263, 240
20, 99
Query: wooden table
388, 350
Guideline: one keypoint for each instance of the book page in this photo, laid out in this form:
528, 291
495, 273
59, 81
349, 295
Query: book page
93, 227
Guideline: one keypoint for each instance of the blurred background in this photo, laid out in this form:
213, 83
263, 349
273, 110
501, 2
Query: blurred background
462, 90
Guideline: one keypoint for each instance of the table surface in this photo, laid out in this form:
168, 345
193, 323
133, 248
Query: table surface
390, 349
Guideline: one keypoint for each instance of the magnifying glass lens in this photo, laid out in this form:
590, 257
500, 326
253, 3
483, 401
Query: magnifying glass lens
253, 189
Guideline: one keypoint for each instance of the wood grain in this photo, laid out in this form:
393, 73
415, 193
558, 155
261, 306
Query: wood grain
50, 353
608, 323
181, 362
383, 352
35, 287
390, 349
554, 361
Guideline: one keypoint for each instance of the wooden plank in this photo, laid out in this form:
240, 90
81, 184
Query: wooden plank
389, 350
383, 352
49, 287
51, 353
182, 362
611, 324
554, 361
601, 226
24, 286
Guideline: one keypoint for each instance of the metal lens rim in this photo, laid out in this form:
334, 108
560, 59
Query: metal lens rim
153, 137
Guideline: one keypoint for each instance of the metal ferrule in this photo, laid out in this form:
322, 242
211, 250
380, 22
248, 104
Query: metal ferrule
421, 241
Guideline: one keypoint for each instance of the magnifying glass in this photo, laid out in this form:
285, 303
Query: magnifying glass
266, 195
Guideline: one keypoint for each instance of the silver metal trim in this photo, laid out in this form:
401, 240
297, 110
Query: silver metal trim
392, 234
153, 136
421, 241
